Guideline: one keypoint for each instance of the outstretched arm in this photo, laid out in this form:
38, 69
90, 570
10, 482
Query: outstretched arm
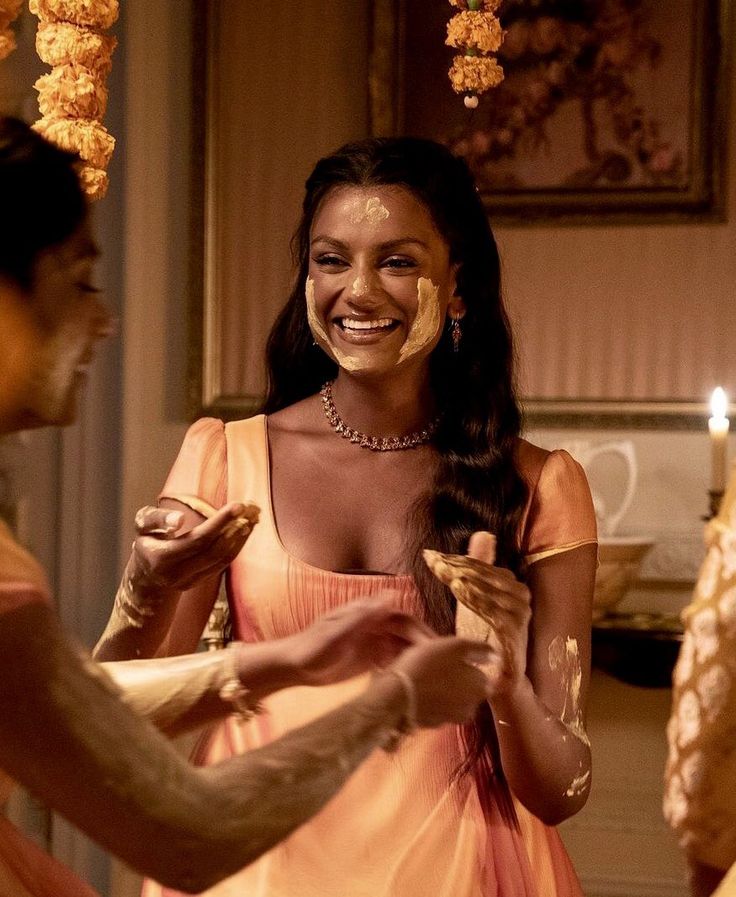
184, 692
115, 777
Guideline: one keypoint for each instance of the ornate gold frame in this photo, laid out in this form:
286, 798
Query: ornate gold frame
703, 200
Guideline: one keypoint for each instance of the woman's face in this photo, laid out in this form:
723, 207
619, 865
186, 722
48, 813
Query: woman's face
380, 279
68, 318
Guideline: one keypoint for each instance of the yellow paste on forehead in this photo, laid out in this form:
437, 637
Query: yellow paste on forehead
369, 211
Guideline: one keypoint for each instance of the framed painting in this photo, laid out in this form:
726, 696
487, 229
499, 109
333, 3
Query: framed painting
608, 110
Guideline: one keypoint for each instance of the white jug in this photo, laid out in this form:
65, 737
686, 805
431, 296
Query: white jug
586, 452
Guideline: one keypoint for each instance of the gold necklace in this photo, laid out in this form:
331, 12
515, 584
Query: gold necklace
374, 443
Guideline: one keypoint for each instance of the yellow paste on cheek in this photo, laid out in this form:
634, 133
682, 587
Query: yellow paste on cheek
348, 362
369, 211
427, 321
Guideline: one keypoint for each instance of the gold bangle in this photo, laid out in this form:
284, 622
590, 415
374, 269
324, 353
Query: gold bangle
125, 602
233, 692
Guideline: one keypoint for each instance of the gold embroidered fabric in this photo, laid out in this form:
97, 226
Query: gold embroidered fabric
700, 775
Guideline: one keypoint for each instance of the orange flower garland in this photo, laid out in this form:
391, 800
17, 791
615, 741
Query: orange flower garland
477, 31
9, 10
72, 98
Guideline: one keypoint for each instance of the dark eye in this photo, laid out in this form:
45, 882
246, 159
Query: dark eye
399, 261
88, 288
329, 260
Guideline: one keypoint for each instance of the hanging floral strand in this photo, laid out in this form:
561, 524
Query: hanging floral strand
9, 10
477, 32
72, 98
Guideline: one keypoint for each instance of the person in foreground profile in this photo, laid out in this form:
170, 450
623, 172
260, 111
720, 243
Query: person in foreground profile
389, 456
70, 730
700, 775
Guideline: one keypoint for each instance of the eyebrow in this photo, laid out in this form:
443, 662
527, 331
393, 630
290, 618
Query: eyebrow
381, 247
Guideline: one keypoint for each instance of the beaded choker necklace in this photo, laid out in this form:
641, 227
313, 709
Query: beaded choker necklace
374, 443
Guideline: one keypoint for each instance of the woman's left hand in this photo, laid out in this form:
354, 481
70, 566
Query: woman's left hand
496, 595
353, 639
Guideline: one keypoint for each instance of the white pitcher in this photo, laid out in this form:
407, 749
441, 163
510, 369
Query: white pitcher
586, 452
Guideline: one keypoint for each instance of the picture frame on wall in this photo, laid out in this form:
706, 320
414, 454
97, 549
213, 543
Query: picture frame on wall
609, 111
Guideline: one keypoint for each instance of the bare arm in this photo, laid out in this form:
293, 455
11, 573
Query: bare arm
115, 777
541, 723
540, 632
181, 693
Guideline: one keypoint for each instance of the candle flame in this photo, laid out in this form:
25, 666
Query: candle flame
719, 403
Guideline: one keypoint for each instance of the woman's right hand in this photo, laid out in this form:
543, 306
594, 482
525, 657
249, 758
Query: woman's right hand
448, 684
166, 558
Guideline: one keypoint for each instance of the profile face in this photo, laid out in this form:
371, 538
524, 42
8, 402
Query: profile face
68, 318
380, 279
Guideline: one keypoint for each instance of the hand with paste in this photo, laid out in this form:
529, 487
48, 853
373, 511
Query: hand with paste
365, 635
497, 597
355, 638
183, 546
545, 753
165, 556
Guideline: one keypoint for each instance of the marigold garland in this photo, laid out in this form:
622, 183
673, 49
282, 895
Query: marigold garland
58, 43
9, 10
477, 32
97, 14
73, 96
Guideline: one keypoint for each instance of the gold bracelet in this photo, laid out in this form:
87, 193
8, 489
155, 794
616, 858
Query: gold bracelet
233, 692
129, 609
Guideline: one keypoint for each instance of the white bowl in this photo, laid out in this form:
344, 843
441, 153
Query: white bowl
619, 558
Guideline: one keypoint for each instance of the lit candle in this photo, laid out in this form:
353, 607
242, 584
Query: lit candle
718, 426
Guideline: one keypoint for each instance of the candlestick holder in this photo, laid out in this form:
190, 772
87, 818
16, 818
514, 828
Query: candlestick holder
715, 497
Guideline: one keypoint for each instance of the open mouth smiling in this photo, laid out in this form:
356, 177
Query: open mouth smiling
360, 327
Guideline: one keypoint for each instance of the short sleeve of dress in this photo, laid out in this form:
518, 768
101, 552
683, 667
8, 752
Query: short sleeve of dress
561, 515
200, 469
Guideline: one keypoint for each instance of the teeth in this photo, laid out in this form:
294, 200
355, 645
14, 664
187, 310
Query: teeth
352, 324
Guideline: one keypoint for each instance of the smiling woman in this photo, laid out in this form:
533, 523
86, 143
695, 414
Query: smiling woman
380, 280
395, 336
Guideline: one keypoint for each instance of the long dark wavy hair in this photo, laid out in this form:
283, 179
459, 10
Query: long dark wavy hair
41, 200
477, 485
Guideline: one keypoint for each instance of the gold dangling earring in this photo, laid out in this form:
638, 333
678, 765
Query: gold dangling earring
456, 334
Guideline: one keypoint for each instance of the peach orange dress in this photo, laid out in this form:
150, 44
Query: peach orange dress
25, 870
403, 825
